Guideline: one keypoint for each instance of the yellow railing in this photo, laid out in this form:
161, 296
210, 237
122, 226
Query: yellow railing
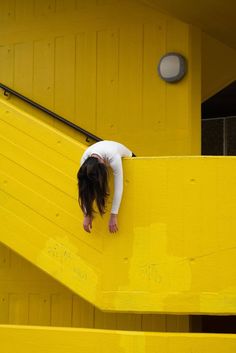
30, 339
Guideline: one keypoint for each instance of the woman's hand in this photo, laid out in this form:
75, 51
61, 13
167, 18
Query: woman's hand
87, 223
113, 223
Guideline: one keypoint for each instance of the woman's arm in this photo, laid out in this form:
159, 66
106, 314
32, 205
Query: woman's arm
116, 166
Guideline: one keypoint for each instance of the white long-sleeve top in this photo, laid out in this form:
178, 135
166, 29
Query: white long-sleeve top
111, 152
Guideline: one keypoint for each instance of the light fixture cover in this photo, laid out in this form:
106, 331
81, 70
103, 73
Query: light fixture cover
172, 67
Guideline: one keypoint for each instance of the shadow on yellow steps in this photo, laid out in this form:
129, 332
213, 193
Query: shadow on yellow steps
175, 251
35, 339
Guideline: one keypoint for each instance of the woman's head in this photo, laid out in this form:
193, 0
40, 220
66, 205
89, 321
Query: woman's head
93, 185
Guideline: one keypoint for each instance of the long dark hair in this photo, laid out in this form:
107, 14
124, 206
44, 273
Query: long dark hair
93, 186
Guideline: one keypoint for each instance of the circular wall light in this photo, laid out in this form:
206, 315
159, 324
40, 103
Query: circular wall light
172, 67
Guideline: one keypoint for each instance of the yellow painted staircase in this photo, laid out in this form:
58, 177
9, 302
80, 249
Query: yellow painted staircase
175, 250
174, 253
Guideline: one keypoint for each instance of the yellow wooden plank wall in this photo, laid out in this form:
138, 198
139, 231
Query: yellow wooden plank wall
95, 62
28, 296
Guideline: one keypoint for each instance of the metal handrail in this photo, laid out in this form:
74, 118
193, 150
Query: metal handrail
49, 112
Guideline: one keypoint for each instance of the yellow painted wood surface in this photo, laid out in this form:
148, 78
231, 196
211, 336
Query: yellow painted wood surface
218, 66
59, 340
29, 296
216, 19
175, 251
95, 63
